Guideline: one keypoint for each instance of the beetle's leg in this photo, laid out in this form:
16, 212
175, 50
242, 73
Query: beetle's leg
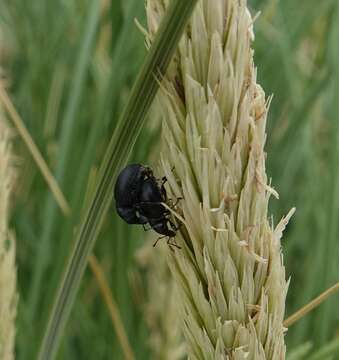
164, 178
155, 244
177, 201
170, 244
163, 190
145, 227
159, 238
161, 183
174, 226
172, 204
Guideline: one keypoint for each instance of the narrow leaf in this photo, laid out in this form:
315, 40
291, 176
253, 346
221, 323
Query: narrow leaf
117, 154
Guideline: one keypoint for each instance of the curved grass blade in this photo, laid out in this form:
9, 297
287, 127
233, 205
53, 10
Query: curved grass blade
118, 151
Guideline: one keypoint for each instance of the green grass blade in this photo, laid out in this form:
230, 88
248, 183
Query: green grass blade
67, 134
300, 352
116, 156
330, 251
328, 351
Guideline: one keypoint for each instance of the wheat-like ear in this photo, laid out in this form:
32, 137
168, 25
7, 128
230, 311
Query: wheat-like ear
8, 296
229, 269
161, 304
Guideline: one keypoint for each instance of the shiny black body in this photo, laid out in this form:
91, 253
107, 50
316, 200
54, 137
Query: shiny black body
139, 197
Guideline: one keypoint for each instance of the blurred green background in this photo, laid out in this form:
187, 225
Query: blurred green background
69, 66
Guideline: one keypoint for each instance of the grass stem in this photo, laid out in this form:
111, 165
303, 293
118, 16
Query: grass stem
112, 307
311, 305
35, 152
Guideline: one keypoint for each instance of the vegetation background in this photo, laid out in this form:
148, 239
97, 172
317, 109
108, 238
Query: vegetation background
69, 67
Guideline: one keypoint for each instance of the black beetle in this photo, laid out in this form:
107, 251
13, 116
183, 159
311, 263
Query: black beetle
139, 197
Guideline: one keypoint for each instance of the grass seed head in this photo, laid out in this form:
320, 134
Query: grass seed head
229, 272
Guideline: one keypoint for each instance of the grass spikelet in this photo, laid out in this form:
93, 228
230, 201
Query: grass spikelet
229, 271
161, 307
